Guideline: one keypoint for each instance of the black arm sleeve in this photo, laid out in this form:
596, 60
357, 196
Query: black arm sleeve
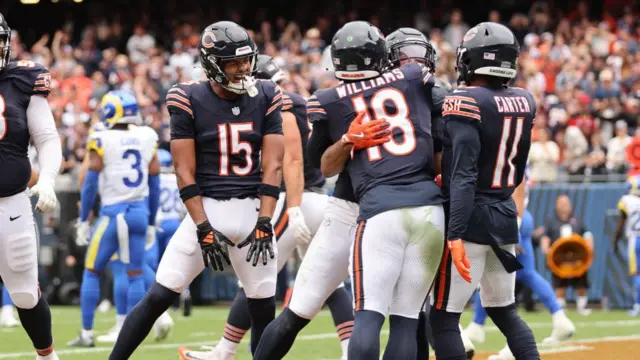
319, 141
466, 146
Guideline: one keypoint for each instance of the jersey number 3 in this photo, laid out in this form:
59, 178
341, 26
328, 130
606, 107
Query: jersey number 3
236, 146
398, 120
502, 159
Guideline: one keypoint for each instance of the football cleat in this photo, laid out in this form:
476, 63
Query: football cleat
209, 353
475, 333
82, 341
563, 329
162, 327
504, 354
469, 348
9, 322
111, 336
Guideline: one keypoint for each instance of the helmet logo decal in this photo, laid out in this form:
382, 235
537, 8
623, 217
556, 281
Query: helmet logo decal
349, 38
470, 34
235, 110
208, 39
367, 61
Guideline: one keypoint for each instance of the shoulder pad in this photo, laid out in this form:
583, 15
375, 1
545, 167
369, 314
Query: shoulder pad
95, 143
178, 98
273, 95
30, 77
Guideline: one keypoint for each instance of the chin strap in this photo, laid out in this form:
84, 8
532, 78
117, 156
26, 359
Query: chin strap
248, 86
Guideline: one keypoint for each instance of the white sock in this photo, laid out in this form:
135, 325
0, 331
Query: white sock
87, 333
228, 345
52, 356
165, 317
7, 311
558, 315
562, 302
120, 320
581, 302
344, 344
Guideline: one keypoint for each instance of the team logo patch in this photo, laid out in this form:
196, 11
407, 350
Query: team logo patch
235, 110
470, 34
349, 38
208, 39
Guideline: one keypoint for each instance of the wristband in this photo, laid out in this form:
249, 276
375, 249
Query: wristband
269, 190
189, 191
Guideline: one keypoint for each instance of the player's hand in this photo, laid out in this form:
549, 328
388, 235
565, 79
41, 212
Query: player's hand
211, 241
459, 258
362, 136
47, 200
260, 240
83, 231
151, 237
438, 180
298, 225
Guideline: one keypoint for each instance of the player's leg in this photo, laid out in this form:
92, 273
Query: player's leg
560, 288
475, 330
376, 263
497, 288
7, 319
422, 255
633, 247
19, 271
450, 295
103, 245
324, 267
581, 284
180, 264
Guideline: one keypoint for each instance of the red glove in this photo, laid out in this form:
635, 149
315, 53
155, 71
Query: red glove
438, 180
362, 136
459, 259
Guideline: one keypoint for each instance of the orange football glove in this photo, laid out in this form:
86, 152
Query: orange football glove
362, 136
438, 180
459, 259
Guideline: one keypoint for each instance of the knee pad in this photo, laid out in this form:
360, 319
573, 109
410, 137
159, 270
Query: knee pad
25, 300
22, 252
305, 305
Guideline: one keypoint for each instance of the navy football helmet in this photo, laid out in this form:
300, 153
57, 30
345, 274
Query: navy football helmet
410, 44
358, 51
5, 42
268, 69
488, 49
225, 41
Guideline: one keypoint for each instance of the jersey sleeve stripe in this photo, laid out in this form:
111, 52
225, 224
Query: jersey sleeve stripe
180, 98
462, 98
461, 113
175, 89
470, 107
273, 108
180, 106
316, 110
426, 77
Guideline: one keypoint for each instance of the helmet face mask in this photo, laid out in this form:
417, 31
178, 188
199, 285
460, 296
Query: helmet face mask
5, 43
268, 69
410, 45
225, 50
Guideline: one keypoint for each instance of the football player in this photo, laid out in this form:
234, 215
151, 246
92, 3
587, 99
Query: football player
300, 210
629, 207
227, 147
487, 137
400, 236
124, 170
563, 328
25, 116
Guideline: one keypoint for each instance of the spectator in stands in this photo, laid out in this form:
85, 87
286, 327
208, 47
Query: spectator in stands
543, 157
456, 29
616, 158
595, 162
576, 146
139, 43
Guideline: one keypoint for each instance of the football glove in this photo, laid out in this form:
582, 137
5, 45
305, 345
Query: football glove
298, 226
211, 241
260, 240
372, 133
459, 259
47, 200
83, 231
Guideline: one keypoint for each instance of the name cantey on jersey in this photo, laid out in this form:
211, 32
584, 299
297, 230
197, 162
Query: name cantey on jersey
296, 104
228, 134
400, 172
19, 80
503, 119
126, 155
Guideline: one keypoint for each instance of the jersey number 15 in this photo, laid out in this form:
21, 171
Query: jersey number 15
398, 120
229, 142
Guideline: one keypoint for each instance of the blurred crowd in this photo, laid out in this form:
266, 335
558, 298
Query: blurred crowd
584, 74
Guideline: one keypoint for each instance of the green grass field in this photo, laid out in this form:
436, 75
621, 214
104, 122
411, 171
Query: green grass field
317, 341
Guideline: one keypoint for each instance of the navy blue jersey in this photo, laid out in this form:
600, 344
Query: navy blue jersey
19, 80
485, 148
228, 134
399, 173
296, 104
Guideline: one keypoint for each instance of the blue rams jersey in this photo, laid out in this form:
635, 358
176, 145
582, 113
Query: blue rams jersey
400, 172
228, 134
19, 80
296, 104
485, 148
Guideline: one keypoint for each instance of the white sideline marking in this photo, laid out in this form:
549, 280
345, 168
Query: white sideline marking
103, 349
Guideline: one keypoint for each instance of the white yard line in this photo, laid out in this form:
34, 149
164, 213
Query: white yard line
104, 349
